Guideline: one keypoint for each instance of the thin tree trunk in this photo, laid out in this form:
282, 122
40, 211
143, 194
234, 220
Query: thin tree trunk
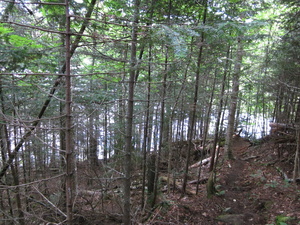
234, 100
297, 116
119, 143
92, 134
296, 172
221, 103
4, 140
69, 151
62, 120
105, 147
161, 124
170, 155
146, 129
129, 122
161, 133
210, 188
206, 126
192, 117
15, 173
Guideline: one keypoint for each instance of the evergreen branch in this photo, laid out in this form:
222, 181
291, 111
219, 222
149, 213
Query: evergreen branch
14, 153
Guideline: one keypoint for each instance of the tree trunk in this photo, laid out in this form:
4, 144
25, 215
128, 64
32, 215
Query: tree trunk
192, 117
206, 126
234, 100
146, 129
105, 147
297, 117
129, 121
69, 151
161, 128
171, 133
15, 172
220, 108
296, 172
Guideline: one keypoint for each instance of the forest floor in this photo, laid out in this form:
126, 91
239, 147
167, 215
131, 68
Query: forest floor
252, 189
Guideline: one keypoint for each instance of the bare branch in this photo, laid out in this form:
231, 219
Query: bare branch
3, 187
36, 3
57, 82
50, 203
36, 28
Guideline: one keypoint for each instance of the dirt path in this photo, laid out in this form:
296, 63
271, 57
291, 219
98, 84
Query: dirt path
240, 206
251, 192
255, 191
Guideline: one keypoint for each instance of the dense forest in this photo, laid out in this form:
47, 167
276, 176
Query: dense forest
107, 105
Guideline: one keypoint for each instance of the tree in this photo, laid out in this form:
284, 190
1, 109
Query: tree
192, 118
129, 121
70, 171
287, 70
234, 99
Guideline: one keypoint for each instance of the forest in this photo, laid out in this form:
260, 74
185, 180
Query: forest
149, 112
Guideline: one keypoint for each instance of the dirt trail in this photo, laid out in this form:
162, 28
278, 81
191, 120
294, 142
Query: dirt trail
251, 191
240, 207
255, 191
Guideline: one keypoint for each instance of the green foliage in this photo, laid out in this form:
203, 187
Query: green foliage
55, 14
281, 220
116, 7
17, 51
18, 41
260, 175
272, 184
172, 37
22, 83
5, 30
7, 37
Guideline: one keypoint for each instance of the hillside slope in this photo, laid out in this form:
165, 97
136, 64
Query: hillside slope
252, 190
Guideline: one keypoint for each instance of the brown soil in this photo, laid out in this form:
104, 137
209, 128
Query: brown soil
251, 190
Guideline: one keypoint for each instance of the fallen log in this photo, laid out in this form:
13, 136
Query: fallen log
201, 181
90, 193
250, 157
203, 162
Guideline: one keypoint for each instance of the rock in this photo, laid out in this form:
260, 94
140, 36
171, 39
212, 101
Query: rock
233, 219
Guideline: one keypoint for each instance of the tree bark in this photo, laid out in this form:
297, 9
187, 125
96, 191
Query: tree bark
192, 117
221, 103
146, 129
296, 172
70, 172
206, 126
129, 117
161, 133
234, 100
